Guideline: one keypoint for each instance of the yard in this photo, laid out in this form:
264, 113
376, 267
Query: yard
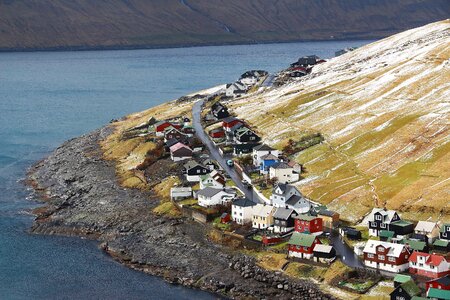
222, 226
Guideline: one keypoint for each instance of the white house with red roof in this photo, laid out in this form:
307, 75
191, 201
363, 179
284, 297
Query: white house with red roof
428, 265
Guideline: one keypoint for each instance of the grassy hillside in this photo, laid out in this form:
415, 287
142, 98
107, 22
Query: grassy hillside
384, 111
85, 24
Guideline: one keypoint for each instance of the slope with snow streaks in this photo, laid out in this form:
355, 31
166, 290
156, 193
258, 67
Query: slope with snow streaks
384, 110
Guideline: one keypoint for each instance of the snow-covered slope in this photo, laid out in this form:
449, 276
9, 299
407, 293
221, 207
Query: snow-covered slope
384, 111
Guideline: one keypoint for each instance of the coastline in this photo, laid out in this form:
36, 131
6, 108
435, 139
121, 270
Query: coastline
83, 198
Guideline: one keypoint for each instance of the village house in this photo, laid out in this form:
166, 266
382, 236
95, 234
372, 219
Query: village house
286, 195
330, 219
254, 73
444, 233
442, 283
441, 245
262, 150
161, 126
173, 133
324, 253
267, 161
211, 164
219, 111
351, 233
229, 122
306, 61
438, 294
244, 135
386, 256
428, 265
235, 89
213, 179
179, 152
177, 193
380, 219
209, 196
414, 245
283, 220
406, 291
249, 81
217, 133
401, 228
401, 278
302, 245
262, 216
193, 170
427, 231
283, 172
242, 211
308, 224
188, 130
242, 149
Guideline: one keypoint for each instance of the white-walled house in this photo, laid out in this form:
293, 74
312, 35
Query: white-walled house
386, 256
212, 196
428, 265
262, 150
429, 229
262, 216
288, 196
242, 211
180, 192
283, 172
249, 81
213, 179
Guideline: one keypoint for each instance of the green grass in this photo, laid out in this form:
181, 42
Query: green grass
220, 225
189, 201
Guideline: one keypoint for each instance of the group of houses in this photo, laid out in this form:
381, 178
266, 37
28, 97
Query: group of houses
303, 65
421, 249
244, 83
406, 289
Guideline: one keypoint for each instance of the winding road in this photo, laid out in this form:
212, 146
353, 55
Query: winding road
214, 151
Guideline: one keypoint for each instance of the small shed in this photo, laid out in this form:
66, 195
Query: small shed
324, 253
225, 218
400, 278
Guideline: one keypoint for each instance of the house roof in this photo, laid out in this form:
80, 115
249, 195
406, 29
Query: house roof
283, 213
304, 217
394, 249
244, 202
217, 130
294, 199
323, 248
191, 164
262, 210
424, 226
269, 156
160, 123
402, 223
387, 233
402, 278
389, 214
178, 146
230, 119
211, 192
326, 212
430, 259
444, 280
171, 142
441, 243
410, 288
302, 239
281, 165
263, 147
415, 245
438, 293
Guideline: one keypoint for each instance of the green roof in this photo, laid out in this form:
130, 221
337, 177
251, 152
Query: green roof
403, 223
301, 239
411, 288
415, 245
305, 217
441, 243
402, 278
438, 293
386, 233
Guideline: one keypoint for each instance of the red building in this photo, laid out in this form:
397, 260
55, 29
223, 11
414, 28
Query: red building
428, 265
162, 125
229, 122
217, 133
308, 224
302, 245
386, 256
442, 283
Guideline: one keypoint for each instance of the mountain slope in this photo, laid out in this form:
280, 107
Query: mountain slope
84, 24
384, 111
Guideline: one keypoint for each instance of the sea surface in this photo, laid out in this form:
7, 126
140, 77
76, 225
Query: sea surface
49, 97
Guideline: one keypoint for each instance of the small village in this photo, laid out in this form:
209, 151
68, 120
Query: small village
232, 181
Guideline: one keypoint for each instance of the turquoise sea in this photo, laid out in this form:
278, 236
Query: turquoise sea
49, 97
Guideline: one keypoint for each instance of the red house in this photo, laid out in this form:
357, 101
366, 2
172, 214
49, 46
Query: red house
229, 122
386, 256
161, 126
174, 134
442, 283
302, 245
217, 133
308, 224
428, 265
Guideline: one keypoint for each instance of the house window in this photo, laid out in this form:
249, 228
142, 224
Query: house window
382, 225
198, 171
305, 248
378, 217
370, 255
381, 257
392, 259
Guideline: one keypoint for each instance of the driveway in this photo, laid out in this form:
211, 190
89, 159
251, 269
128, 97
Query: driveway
214, 152
345, 253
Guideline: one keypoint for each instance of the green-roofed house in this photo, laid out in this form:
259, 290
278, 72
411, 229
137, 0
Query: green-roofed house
386, 235
400, 278
438, 294
301, 245
415, 245
406, 291
441, 245
402, 228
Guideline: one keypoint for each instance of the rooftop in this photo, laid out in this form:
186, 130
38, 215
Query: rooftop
301, 239
244, 202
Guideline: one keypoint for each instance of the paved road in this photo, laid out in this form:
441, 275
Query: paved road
196, 117
345, 253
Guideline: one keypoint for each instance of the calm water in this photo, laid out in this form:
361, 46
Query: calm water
48, 97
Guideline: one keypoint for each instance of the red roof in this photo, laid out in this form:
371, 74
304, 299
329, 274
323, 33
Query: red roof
178, 146
414, 256
431, 259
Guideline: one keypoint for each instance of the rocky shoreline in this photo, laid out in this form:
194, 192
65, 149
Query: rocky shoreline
83, 198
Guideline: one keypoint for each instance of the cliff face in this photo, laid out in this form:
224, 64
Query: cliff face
384, 111
78, 24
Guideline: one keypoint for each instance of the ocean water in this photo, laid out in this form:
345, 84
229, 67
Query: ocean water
49, 97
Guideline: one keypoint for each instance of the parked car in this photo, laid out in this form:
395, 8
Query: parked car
230, 163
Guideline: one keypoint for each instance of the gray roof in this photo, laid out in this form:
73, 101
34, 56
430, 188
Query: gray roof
326, 212
244, 202
294, 199
269, 156
209, 192
230, 119
281, 165
191, 164
263, 147
283, 213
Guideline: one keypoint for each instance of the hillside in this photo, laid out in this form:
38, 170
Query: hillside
384, 111
92, 24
